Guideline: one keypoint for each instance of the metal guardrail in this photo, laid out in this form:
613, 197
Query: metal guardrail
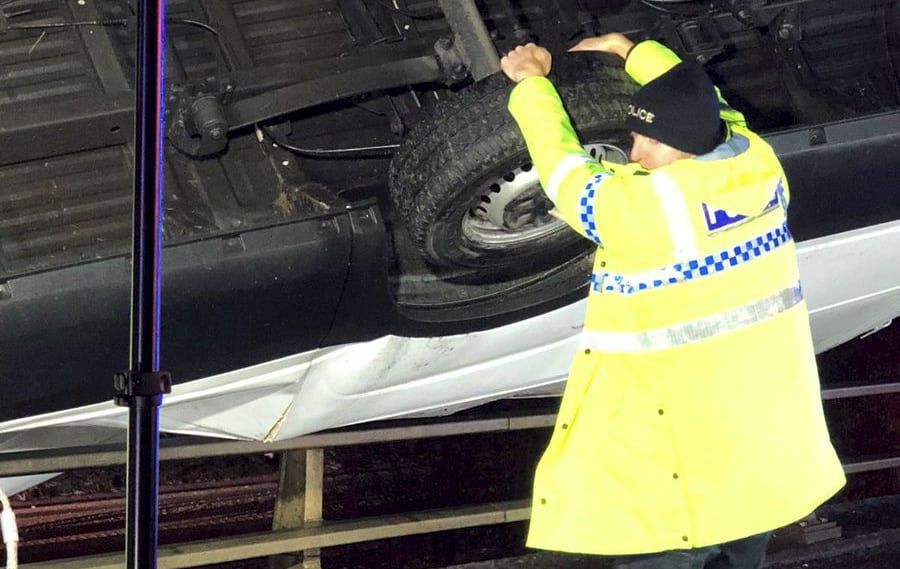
287, 541
59, 460
329, 534
861, 390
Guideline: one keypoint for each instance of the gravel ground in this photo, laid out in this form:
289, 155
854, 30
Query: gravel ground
885, 557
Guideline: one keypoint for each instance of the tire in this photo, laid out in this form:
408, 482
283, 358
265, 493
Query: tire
452, 178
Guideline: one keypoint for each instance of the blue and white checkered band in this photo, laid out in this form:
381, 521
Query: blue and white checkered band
693, 269
586, 207
718, 219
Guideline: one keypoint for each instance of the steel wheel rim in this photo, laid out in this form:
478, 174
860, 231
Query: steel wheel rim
513, 209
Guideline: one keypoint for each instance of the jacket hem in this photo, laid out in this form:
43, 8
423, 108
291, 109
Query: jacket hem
547, 545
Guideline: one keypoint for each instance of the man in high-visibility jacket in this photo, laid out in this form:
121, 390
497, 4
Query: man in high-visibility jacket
692, 422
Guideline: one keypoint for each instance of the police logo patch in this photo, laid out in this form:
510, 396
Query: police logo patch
719, 219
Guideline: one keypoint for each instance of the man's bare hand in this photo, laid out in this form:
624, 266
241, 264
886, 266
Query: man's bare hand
610, 43
526, 61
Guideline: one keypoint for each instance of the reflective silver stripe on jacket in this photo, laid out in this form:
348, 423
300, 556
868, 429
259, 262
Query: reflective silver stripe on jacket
694, 330
675, 207
565, 167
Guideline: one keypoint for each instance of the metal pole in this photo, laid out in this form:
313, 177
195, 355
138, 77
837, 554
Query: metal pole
472, 37
142, 387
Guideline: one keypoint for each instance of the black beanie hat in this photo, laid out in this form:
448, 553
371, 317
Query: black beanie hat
679, 108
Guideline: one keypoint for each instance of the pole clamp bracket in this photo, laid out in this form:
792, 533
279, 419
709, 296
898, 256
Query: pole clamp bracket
131, 384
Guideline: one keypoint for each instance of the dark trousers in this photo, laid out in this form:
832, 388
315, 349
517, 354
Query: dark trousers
747, 553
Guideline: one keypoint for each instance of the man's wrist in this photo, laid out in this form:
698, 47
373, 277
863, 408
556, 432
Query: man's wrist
631, 49
625, 48
528, 74
530, 79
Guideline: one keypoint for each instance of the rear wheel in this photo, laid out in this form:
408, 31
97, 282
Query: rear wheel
469, 198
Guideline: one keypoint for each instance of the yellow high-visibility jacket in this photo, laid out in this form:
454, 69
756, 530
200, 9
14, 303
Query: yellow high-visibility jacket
692, 414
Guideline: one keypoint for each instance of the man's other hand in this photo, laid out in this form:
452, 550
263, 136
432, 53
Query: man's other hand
610, 43
526, 61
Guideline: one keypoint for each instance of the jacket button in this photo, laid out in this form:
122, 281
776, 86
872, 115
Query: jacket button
684, 538
543, 500
587, 351
661, 412
675, 476
602, 263
565, 426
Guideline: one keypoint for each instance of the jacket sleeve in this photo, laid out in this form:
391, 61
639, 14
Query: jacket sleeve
608, 203
650, 59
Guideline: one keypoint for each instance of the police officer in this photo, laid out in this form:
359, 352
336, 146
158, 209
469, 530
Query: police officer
692, 423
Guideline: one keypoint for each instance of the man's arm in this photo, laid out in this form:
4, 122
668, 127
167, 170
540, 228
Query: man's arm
596, 201
647, 60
